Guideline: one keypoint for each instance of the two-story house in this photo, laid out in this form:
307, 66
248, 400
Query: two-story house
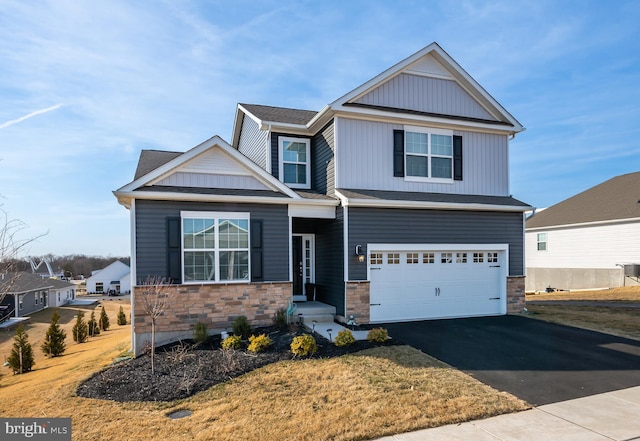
391, 203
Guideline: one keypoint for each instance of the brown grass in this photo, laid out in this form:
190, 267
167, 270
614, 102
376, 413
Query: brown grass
621, 321
371, 394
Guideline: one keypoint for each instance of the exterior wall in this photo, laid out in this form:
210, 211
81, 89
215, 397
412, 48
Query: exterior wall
358, 303
364, 153
65, 295
253, 142
322, 161
29, 305
115, 271
375, 225
151, 235
426, 94
539, 279
209, 180
515, 295
214, 305
603, 246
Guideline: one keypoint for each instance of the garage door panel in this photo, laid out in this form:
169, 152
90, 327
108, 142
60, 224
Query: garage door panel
414, 285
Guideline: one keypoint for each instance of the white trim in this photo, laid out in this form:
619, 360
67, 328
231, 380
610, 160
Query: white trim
312, 269
133, 270
312, 211
585, 224
345, 243
291, 253
307, 164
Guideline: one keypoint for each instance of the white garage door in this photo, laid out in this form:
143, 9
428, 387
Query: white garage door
413, 282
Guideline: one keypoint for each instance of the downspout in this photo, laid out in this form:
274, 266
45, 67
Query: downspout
133, 277
346, 254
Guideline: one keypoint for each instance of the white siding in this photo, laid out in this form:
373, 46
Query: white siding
364, 152
253, 142
425, 94
206, 180
586, 247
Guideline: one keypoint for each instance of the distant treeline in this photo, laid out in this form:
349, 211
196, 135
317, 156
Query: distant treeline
73, 265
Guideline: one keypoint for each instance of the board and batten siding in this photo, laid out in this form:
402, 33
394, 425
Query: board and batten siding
253, 142
322, 161
396, 226
596, 246
364, 160
424, 94
207, 180
151, 235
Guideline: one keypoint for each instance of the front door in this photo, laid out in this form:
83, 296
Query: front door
302, 264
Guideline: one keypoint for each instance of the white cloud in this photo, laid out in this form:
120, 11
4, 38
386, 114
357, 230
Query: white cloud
29, 115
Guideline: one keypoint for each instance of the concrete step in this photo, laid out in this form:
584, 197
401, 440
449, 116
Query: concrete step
330, 330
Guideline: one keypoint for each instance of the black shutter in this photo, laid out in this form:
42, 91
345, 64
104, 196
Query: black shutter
256, 251
398, 153
457, 158
174, 259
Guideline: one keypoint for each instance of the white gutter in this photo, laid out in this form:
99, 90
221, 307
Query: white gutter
586, 224
428, 205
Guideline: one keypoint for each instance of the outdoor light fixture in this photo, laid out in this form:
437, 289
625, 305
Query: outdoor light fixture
359, 253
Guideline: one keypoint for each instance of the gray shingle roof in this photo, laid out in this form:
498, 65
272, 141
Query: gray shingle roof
152, 159
18, 283
280, 114
432, 197
617, 198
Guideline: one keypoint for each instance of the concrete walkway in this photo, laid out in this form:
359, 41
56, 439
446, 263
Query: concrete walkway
608, 416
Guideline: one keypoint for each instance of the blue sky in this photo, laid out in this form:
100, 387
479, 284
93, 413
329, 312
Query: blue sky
84, 86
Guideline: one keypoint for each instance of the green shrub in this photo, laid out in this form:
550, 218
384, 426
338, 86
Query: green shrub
259, 343
378, 335
80, 328
122, 317
103, 321
92, 325
280, 318
21, 359
232, 342
200, 333
242, 327
344, 338
303, 345
54, 344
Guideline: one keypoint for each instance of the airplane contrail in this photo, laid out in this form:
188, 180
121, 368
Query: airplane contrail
4, 125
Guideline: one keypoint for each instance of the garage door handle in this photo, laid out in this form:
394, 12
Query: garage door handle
375, 268
375, 304
494, 298
494, 266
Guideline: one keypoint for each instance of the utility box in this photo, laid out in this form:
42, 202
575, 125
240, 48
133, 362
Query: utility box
632, 270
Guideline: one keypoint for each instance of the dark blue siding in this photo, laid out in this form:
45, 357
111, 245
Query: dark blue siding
323, 162
151, 235
375, 225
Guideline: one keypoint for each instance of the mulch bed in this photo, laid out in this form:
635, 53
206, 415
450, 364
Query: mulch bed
183, 369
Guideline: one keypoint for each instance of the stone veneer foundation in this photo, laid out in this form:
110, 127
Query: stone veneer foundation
215, 305
515, 294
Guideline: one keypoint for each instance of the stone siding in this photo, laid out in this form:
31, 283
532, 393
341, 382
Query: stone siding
515, 294
358, 303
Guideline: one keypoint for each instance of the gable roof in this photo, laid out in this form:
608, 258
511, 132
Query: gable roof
270, 114
151, 159
614, 200
20, 283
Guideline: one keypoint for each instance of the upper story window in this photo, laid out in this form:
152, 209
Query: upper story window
295, 155
542, 241
428, 154
215, 247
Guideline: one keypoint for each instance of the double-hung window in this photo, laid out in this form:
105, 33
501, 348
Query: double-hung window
428, 154
542, 241
295, 170
215, 246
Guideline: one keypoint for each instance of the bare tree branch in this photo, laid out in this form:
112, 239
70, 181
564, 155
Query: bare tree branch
156, 294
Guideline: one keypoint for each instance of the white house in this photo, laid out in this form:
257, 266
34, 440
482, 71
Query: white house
590, 240
116, 276
61, 292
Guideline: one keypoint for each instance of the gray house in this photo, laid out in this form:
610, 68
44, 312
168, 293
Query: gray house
24, 294
392, 203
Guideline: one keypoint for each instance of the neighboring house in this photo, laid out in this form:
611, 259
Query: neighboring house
587, 241
392, 203
24, 294
61, 292
116, 276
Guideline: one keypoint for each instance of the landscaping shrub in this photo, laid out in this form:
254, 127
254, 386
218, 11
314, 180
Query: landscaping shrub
345, 338
259, 343
92, 326
103, 321
200, 333
303, 345
378, 335
122, 317
21, 359
54, 344
280, 318
232, 342
80, 329
242, 327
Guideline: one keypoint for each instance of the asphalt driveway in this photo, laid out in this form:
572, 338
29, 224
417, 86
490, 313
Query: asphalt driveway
537, 361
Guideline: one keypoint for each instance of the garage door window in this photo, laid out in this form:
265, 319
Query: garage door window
376, 258
461, 257
428, 258
393, 258
492, 257
446, 258
412, 258
478, 257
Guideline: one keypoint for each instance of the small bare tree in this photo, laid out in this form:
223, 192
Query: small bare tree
156, 295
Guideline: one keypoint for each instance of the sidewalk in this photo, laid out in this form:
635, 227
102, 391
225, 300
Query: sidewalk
609, 416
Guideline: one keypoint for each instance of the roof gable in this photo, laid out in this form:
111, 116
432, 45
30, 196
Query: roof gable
614, 200
432, 63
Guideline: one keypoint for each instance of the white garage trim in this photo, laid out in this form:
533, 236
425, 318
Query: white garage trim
445, 281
